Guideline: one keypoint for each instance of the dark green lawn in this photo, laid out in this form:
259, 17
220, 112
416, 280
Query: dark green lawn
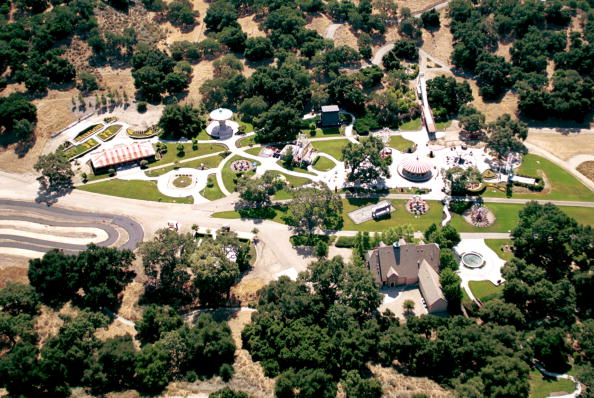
485, 290
331, 147
203, 149
212, 190
134, 189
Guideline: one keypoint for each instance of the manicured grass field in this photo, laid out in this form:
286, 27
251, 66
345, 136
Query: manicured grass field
497, 244
563, 186
246, 141
209, 162
399, 143
398, 217
332, 147
203, 149
134, 189
325, 132
411, 125
212, 190
541, 387
507, 217
254, 151
485, 290
323, 164
443, 125
229, 176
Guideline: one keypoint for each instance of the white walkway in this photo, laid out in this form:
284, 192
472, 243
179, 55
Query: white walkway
491, 271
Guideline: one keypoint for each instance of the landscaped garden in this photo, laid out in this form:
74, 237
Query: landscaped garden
212, 190
331, 147
89, 131
150, 132
230, 176
561, 184
246, 141
80, 149
292, 181
322, 163
109, 132
182, 181
485, 290
133, 189
173, 154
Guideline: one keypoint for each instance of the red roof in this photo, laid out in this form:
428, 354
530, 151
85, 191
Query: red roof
120, 154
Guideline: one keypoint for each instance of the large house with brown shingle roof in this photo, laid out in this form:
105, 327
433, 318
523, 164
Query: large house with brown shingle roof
406, 264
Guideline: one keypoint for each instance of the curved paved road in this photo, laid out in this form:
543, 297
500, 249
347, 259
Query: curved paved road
78, 219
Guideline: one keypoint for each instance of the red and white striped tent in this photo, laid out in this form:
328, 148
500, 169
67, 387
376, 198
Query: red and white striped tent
121, 154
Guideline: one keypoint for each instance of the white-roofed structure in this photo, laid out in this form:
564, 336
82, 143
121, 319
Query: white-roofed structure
122, 154
415, 169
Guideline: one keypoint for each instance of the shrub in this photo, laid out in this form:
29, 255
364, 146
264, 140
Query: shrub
321, 249
111, 172
460, 206
141, 106
143, 164
345, 241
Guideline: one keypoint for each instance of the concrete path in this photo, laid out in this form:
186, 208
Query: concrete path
331, 30
490, 271
578, 386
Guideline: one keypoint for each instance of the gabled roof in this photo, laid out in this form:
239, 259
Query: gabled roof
429, 284
403, 259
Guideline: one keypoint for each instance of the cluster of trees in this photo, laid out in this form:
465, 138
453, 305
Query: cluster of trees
361, 17
446, 96
154, 74
460, 178
92, 279
76, 357
533, 28
181, 121
313, 338
364, 164
180, 271
17, 116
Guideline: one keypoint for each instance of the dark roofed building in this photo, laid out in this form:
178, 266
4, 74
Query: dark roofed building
406, 264
330, 116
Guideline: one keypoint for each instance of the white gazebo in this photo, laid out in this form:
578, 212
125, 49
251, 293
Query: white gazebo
221, 125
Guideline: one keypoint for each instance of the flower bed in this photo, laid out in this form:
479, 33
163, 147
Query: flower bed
89, 131
110, 132
150, 132
79, 150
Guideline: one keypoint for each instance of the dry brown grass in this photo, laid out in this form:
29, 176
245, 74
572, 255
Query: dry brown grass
14, 269
416, 5
201, 72
392, 35
587, 169
250, 27
439, 43
117, 80
130, 308
245, 291
49, 322
116, 328
53, 114
492, 110
396, 385
503, 50
563, 146
345, 37
319, 23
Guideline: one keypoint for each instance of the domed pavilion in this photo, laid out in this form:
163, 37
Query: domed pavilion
415, 169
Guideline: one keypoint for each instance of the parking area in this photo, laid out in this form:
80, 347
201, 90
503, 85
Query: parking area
394, 298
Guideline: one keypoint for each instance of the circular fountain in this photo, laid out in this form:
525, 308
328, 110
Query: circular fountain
472, 260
